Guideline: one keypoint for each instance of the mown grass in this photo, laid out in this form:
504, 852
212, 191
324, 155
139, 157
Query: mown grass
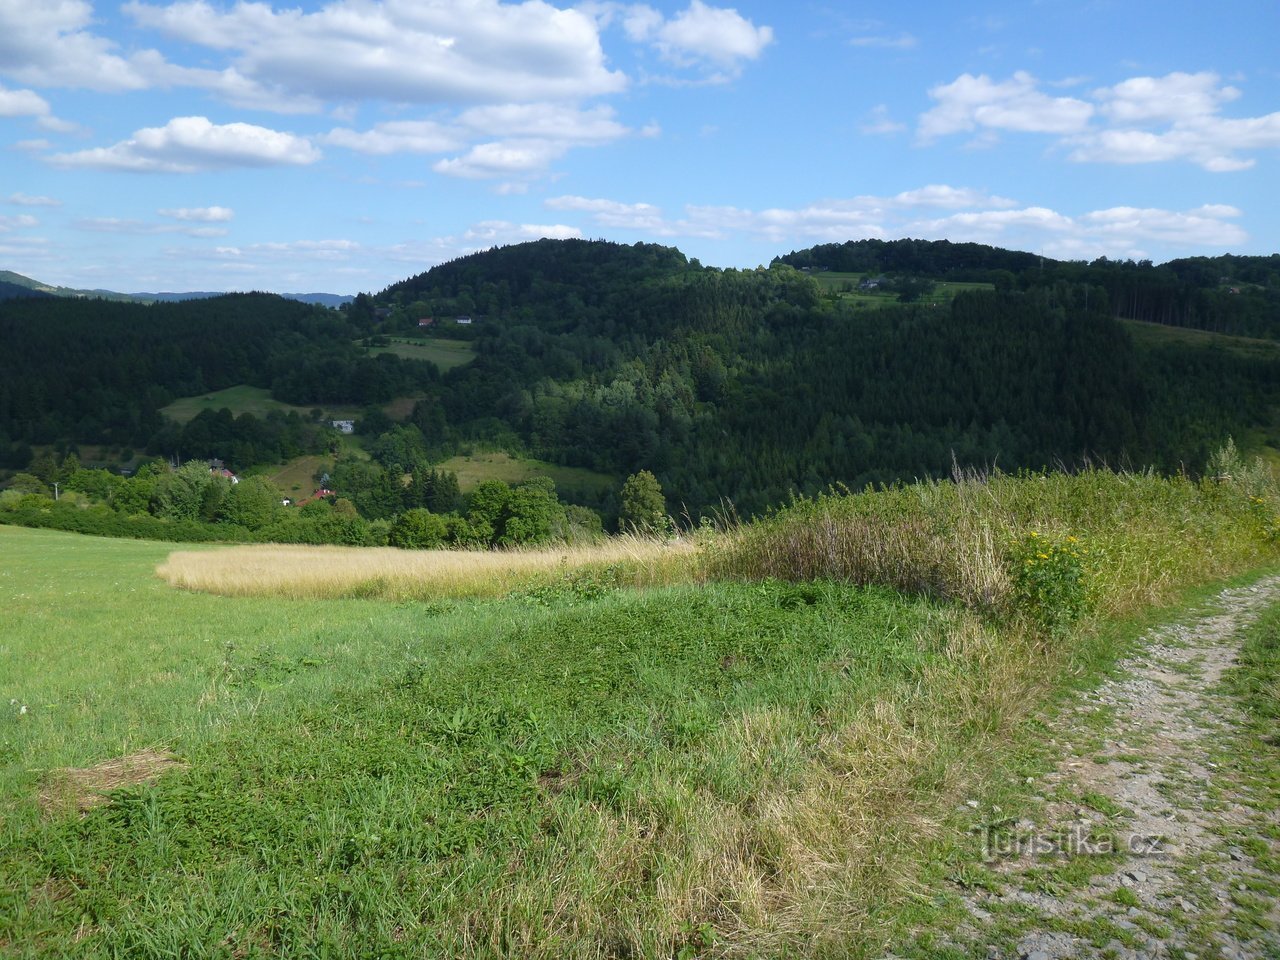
758, 765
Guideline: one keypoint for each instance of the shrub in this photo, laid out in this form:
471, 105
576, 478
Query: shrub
417, 529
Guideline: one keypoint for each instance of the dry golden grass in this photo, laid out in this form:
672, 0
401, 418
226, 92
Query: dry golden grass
84, 788
329, 572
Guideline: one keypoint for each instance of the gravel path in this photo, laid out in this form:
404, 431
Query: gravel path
1162, 840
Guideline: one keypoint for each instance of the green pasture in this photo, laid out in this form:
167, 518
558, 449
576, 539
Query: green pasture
525, 777
444, 353
474, 469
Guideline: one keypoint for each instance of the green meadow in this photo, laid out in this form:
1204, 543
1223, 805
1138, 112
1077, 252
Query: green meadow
475, 468
755, 760
443, 352
240, 400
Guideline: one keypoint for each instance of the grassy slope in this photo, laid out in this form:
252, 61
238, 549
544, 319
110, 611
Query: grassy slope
834, 282
445, 354
476, 468
258, 401
584, 773
474, 775
1156, 334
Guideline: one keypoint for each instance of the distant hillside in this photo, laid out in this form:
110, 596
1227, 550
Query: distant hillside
744, 386
9, 279
332, 300
1237, 295
10, 291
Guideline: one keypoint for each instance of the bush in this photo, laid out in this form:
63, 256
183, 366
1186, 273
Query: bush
418, 529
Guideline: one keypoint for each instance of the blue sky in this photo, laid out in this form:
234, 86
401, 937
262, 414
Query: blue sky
342, 145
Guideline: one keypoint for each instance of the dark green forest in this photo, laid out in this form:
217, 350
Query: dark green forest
739, 387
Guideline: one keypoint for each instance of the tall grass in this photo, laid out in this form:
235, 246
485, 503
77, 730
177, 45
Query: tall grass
356, 572
1138, 537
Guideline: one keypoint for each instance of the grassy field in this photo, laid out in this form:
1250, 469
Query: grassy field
388, 573
835, 282
444, 353
478, 467
296, 478
753, 757
241, 399
1157, 334
259, 402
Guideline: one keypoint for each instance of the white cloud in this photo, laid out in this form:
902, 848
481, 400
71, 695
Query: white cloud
979, 103
880, 123
1185, 110
502, 159
492, 232
190, 144
48, 44
1175, 97
719, 38
26, 200
22, 103
200, 214
142, 228
403, 51
531, 135
1140, 120
28, 103
941, 195
397, 136
978, 217
611, 213
20, 221
826, 220
903, 41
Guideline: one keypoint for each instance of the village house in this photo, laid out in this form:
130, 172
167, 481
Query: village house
344, 426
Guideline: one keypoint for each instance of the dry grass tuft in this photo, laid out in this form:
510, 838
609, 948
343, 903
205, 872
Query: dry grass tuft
311, 572
83, 788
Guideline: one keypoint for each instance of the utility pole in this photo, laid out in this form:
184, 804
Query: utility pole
55, 489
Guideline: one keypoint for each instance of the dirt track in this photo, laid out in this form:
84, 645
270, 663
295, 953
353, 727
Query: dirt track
1139, 776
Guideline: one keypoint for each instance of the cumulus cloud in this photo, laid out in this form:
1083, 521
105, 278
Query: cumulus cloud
49, 45
1140, 120
28, 103
976, 103
191, 144
397, 136
1172, 98
501, 140
492, 232
400, 50
1175, 117
200, 214
715, 38
966, 215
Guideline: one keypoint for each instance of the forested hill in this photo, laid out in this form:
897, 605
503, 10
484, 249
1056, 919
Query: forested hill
743, 386
97, 371
1227, 294
749, 385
